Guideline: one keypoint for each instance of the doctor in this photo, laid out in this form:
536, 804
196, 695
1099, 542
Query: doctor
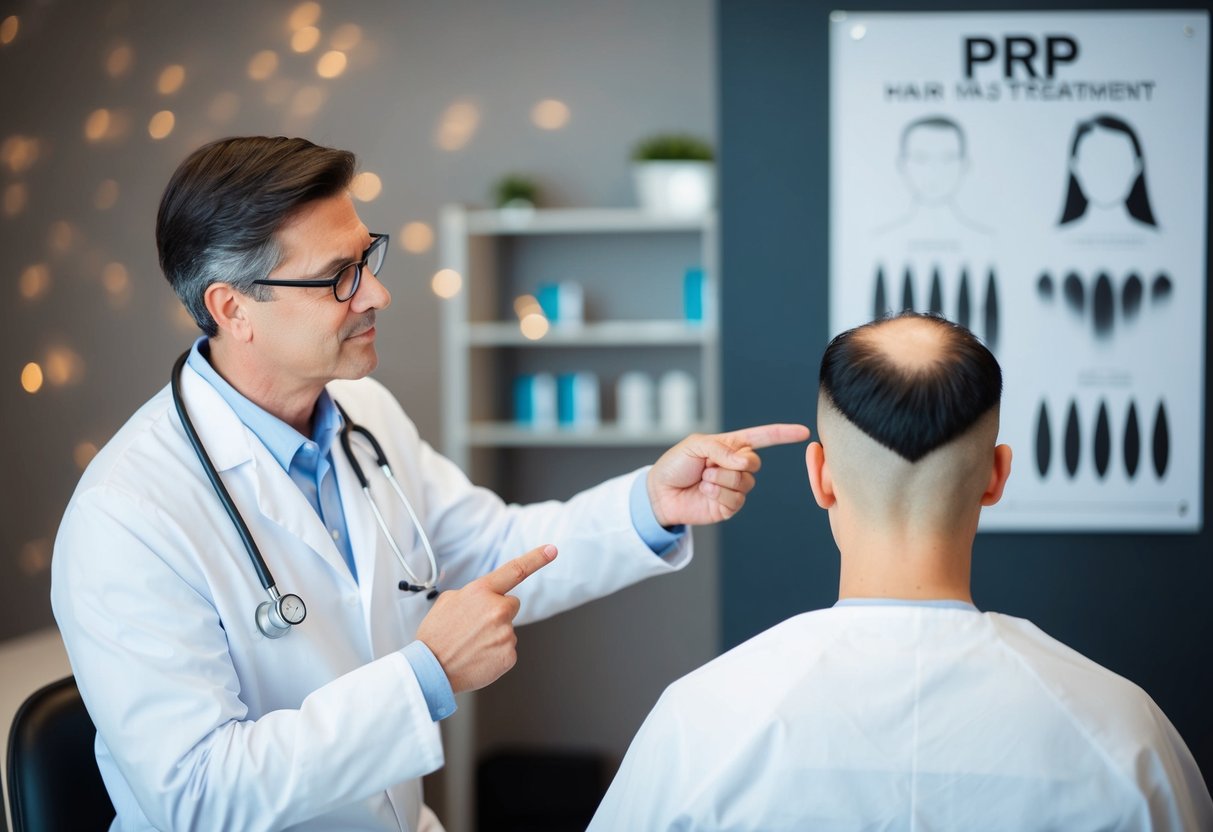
317, 706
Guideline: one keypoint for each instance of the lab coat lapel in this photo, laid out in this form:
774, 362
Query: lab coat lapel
230, 445
359, 521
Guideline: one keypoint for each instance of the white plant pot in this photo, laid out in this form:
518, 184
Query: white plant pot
681, 188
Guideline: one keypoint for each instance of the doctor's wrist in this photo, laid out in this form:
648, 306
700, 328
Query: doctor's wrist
435, 686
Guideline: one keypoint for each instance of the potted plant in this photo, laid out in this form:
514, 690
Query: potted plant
674, 174
516, 196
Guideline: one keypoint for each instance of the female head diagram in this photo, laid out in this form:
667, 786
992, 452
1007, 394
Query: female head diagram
1107, 168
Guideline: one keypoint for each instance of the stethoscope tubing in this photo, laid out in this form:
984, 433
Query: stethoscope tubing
275, 625
246, 537
347, 431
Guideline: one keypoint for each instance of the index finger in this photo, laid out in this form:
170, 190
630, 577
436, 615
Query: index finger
511, 573
764, 436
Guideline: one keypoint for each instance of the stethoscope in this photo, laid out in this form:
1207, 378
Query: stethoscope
276, 616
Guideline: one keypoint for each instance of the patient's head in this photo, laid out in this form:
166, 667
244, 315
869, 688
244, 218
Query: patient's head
907, 418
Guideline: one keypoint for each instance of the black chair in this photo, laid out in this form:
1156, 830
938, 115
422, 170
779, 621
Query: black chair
535, 790
53, 780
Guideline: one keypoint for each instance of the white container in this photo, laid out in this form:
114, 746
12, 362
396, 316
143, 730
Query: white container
677, 188
678, 393
578, 401
543, 401
634, 401
563, 303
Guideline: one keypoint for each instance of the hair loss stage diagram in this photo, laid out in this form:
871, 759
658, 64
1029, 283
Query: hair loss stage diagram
1040, 178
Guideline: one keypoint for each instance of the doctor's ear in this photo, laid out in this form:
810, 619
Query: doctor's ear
819, 475
228, 308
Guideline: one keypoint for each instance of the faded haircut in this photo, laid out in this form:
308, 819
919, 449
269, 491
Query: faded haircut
226, 202
911, 410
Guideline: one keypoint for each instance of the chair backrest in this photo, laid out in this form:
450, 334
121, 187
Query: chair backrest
53, 780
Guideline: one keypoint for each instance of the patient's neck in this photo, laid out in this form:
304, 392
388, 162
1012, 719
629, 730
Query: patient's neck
881, 564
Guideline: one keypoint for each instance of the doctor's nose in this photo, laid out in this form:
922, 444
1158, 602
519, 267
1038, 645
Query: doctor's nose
371, 294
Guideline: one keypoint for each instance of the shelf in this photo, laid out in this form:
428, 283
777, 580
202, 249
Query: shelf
513, 435
600, 334
581, 221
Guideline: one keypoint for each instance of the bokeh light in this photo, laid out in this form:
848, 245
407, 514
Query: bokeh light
35, 281
31, 378
278, 90
346, 37
446, 283
182, 318
534, 326
366, 186
97, 125
20, 152
161, 124
63, 366
305, 39
83, 453
550, 114
526, 305
106, 195
16, 196
62, 236
416, 237
457, 125
263, 65
331, 64
8, 29
117, 282
308, 100
305, 14
223, 107
36, 556
119, 61
170, 80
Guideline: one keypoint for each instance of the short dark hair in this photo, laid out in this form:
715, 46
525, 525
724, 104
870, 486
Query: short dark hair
224, 205
936, 122
911, 411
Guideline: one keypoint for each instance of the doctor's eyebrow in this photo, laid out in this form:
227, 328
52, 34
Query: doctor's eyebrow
337, 263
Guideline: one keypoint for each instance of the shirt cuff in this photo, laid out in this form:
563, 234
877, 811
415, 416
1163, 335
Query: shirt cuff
435, 687
657, 537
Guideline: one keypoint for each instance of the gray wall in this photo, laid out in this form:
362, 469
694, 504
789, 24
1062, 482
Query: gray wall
1137, 604
624, 68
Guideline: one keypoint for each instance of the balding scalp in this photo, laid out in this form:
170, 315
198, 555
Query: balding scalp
912, 382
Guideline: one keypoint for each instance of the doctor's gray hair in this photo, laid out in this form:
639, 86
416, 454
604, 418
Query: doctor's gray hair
222, 209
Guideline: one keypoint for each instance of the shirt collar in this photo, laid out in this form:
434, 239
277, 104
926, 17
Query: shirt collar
937, 603
282, 440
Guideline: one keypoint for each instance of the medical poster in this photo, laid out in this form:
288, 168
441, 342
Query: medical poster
1040, 177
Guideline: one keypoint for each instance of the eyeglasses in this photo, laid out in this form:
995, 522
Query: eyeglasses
345, 282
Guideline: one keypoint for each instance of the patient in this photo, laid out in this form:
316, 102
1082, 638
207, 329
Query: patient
903, 706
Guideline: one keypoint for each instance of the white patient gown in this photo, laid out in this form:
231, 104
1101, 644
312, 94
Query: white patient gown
905, 718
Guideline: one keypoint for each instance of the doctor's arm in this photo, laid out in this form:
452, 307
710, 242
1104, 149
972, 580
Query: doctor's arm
151, 656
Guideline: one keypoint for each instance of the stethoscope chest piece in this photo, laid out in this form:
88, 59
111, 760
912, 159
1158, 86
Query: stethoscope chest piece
275, 618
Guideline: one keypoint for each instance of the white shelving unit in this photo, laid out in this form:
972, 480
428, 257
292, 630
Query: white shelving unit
473, 322
631, 266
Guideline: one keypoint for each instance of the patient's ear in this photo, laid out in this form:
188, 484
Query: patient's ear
819, 475
998, 475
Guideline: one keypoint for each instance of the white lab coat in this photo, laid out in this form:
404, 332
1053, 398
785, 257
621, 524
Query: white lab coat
905, 718
203, 723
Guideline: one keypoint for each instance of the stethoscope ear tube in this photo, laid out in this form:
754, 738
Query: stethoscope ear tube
272, 609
